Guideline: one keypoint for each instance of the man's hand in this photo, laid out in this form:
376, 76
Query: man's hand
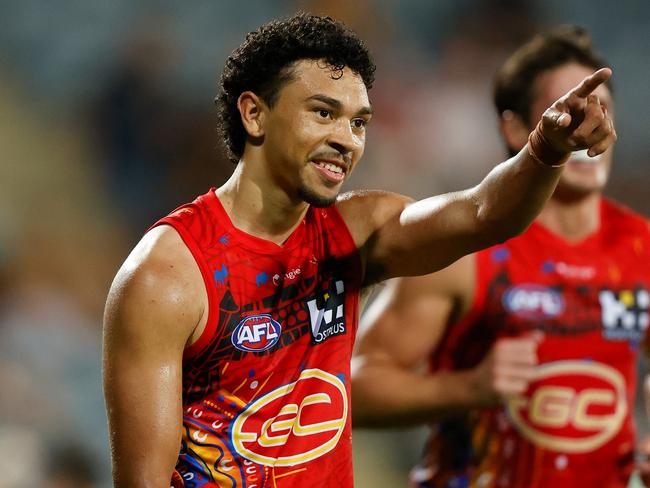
508, 368
576, 121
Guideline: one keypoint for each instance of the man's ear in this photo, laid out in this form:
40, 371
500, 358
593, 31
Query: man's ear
514, 130
252, 109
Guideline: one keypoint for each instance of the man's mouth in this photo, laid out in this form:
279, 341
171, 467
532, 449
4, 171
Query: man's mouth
333, 171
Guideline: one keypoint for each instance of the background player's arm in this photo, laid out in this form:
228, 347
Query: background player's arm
397, 334
398, 238
153, 307
390, 383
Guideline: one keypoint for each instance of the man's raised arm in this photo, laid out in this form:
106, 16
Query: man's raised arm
404, 238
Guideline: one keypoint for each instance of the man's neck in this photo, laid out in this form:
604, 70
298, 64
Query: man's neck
259, 207
572, 220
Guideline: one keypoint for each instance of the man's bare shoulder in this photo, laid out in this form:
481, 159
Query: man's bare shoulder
159, 283
365, 211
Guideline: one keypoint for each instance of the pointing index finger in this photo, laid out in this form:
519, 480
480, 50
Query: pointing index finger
591, 82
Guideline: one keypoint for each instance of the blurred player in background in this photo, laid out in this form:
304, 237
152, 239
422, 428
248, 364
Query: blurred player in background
532, 344
229, 329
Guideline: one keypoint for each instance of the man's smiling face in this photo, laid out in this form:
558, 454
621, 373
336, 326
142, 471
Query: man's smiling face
315, 132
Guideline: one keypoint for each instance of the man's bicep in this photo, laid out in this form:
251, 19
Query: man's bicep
425, 236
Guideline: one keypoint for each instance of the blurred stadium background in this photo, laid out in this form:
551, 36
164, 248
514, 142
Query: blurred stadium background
107, 123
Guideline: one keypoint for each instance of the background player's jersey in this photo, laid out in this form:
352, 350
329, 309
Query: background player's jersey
574, 425
266, 390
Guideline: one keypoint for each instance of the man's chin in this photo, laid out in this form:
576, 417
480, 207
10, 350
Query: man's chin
315, 199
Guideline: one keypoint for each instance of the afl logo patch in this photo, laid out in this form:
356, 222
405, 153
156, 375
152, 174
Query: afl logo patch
533, 301
256, 333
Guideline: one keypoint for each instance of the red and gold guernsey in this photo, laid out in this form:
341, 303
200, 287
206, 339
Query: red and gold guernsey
266, 390
574, 425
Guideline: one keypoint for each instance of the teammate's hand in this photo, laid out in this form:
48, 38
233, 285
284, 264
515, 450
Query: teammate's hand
508, 368
578, 120
643, 460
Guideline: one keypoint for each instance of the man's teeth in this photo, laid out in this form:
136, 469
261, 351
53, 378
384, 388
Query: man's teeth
330, 167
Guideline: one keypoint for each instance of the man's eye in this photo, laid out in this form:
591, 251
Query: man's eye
358, 123
323, 113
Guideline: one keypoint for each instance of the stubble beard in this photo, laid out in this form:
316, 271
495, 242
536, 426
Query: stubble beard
314, 199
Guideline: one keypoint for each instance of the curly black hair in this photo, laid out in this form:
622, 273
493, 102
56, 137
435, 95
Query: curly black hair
515, 82
262, 65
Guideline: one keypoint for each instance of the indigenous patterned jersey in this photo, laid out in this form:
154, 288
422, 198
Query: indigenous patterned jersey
574, 425
266, 391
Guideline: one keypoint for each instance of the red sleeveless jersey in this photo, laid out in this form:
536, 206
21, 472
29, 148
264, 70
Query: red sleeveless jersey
266, 388
574, 425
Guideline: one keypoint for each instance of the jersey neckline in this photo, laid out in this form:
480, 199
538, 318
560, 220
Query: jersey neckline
251, 241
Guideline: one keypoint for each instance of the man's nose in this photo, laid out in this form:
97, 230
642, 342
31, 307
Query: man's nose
343, 139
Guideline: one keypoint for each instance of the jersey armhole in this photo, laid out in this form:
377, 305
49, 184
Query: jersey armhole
351, 245
456, 329
357, 272
210, 325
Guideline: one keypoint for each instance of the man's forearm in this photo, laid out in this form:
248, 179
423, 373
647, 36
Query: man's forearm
438, 230
385, 396
512, 194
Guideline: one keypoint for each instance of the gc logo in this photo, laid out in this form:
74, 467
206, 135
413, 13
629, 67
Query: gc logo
294, 423
573, 407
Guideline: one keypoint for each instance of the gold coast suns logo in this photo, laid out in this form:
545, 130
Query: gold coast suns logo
572, 406
295, 423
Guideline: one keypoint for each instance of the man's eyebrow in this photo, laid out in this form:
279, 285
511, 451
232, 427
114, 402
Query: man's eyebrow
337, 105
332, 102
365, 111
